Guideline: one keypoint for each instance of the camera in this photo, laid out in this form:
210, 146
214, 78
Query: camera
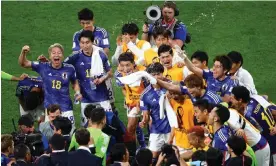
154, 15
32, 140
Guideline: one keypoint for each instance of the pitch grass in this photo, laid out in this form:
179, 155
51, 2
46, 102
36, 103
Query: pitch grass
216, 27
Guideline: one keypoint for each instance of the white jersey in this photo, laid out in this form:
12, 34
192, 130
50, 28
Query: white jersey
237, 121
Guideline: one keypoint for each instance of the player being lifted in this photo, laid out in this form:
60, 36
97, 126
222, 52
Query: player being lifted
56, 77
132, 98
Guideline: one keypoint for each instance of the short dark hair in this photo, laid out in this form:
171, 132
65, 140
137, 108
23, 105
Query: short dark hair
235, 57
223, 113
87, 34
97, 115
144, 157
26, 120
201, 56
118, 151
193, 80
165, 48
88, 109
225, 62
203, 104
20, 151
199, 155
237, 144
82, 136
241, 92
130, 28
159, 30
63, 124
53, 108
57, 141
32, 100
6, 142
85, 14
126, 56
155, 68
214, 157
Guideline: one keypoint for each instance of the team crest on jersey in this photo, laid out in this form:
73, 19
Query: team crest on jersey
64, 76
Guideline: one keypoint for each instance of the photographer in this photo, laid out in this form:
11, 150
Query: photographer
168, 20
27, 135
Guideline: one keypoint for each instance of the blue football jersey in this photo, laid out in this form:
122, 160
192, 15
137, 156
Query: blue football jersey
262, 119
82, 64
25, 86
222, 88
4, 159
220, 138
212, 97
150, 102
101, 38
56, 83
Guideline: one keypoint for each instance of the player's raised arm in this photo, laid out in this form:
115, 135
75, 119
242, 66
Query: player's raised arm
169, 86
22, 60
190, 65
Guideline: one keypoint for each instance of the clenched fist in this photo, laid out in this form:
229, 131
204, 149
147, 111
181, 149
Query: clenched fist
26, 49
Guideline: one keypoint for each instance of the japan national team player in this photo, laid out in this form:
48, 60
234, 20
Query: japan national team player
101, 39
257, 111
56, 77
217, 80
82, 62
149, 105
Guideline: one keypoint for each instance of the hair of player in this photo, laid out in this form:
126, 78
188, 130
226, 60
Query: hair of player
237, 144
156, 68
53, 108
56, 45
20, 151
57, 142
197, 131
88, 109
194, 81
165, 48
26, 120
203, 104
87, 34
214, 157
225, 62
199, 155
82, 136
97, 115
161, 31
63, 124
235, 57
6, 142
32, 100
144, 157
117, 152
126, 56
223, 113
241, 92
86, 14
130, 28
200, 56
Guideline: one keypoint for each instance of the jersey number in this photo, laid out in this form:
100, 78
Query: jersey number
87, 73
267, 116
56, 84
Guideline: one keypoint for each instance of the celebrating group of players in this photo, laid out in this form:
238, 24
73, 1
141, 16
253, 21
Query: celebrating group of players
179, 101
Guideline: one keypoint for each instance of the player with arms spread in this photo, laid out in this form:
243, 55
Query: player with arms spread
56, 77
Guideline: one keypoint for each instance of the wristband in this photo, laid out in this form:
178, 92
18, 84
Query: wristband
77, 92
